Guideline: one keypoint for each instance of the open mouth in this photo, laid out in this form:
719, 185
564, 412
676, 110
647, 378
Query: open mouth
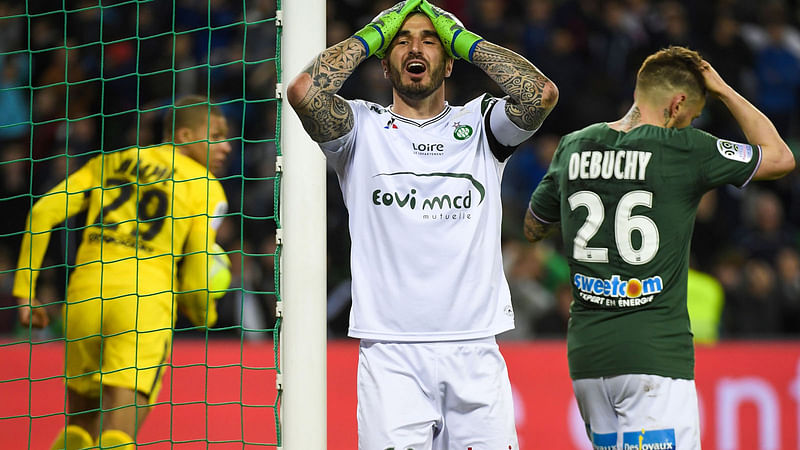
415, 68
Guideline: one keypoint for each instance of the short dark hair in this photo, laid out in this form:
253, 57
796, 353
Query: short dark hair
188, 111
674, 67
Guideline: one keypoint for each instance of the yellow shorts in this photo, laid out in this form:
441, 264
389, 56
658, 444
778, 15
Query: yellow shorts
122, 342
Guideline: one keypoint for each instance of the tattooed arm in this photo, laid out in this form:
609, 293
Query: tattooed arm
312, 94
325, 115
532, 95
535, 230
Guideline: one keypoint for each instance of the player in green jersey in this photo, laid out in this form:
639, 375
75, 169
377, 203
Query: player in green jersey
625, 194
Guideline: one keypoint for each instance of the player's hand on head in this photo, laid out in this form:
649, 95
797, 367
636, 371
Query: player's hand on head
378, 34
32, 314
713, 81
457, 41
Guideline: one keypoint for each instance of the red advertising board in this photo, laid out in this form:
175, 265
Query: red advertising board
219, 396
749, 394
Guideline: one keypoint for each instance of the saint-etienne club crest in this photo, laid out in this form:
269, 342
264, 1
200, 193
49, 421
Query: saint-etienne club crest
461, 132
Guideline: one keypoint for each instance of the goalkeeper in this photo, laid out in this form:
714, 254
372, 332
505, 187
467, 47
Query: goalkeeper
421, 181
147, 210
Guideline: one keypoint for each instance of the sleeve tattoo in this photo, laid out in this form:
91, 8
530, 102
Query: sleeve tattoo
535, 230
325, 115
522, 81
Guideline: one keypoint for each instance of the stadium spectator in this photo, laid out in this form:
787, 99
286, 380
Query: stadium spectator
495, 21
553, 324
14, 99
538, 28
764, 231
755, 303
676, 27
788, 269
705, 300
712, 233
526, 167
525, 268
733, 59
777, 65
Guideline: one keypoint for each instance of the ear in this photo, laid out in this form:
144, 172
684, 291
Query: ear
448, 67
183, 134
677, 104
385, 66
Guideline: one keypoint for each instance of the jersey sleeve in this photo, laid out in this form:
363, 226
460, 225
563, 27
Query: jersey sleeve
338, 151
726, 162
68, 198
545, 202
503, 135
501, 126
217, 205
193, 299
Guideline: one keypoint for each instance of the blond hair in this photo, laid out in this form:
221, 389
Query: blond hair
672, 69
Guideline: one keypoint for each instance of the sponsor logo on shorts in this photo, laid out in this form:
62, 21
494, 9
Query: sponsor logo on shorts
510, 447
617, 292
649, 440
604, 441
735, 151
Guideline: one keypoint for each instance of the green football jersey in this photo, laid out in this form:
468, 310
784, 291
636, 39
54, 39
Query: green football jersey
627, 204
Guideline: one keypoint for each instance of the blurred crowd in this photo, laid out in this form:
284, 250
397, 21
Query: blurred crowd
98, 78
77, 78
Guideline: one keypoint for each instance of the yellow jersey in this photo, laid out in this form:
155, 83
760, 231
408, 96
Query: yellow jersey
147, 210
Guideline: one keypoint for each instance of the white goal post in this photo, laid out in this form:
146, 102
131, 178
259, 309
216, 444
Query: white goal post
303, 337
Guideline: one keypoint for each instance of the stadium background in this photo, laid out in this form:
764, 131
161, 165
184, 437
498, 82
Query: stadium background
747, 240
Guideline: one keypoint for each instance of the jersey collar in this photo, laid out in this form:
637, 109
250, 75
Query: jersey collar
421, 123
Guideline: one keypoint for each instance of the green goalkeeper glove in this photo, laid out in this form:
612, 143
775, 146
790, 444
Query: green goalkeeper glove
457, 41
378, 34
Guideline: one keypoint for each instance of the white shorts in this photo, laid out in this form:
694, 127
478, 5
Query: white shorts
434, 396
639, 412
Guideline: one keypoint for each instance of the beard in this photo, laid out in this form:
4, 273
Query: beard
417, 90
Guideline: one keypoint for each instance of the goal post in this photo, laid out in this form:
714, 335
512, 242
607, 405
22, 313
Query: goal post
85, 79
303, 332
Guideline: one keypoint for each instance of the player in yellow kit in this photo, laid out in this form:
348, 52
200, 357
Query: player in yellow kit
148, 209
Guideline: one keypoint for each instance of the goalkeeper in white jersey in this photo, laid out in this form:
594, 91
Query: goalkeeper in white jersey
421, 181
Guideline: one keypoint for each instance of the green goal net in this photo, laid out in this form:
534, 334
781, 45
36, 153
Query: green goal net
84, 79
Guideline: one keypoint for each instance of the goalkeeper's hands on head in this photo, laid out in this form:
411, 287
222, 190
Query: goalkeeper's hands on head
378, 34
457, 41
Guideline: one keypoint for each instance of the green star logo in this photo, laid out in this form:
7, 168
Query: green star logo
462, 132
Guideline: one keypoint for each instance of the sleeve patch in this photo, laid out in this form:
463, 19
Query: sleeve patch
219, 215
735, 151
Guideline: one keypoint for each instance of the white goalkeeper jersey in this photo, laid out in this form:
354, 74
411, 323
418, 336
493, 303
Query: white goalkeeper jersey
423, 198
